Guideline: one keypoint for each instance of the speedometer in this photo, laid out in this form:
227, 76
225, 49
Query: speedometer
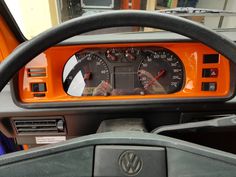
86, 74
161, 72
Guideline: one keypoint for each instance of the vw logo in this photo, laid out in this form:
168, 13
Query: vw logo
130, 163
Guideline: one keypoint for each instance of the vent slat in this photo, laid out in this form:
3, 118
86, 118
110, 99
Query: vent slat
36, 121
40, 129
36, 72
48, 120
37, 125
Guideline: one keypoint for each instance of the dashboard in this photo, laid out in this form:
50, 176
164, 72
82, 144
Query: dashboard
125, 71
43, 85
122, 68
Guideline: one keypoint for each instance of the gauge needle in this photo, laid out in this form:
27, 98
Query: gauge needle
131, 57
87, 75
156, 78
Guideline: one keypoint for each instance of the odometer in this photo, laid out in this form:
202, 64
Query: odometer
161, 72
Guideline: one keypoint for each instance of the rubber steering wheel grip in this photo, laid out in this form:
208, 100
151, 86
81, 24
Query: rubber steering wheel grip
30, 49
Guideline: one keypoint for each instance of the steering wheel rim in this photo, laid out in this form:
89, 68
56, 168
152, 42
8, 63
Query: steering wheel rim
26, 52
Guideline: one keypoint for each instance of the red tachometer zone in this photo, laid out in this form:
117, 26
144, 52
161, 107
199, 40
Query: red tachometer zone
156, 78
161, 71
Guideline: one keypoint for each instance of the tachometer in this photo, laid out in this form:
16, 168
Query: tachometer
86, 74
161, 72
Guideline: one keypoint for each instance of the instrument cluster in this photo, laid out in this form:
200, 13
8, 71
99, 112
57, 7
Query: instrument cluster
123, 71
127, 72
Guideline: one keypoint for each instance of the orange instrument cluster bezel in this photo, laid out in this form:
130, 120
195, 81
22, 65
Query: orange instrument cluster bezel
190, 53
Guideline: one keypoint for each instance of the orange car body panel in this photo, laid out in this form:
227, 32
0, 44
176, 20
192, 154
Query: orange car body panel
8, 41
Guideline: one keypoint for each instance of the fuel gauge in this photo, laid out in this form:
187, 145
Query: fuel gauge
112, 54
131, 54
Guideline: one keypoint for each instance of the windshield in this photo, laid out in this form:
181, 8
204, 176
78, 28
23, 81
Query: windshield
34, 17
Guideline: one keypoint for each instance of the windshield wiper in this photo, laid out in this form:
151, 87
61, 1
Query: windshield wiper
190, 11
227, 121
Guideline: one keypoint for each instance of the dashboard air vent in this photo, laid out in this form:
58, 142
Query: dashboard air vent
40, 126
36, 72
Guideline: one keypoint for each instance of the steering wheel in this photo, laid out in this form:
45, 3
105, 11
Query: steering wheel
117, 154
26, 52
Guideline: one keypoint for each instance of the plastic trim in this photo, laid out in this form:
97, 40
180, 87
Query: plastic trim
118, 138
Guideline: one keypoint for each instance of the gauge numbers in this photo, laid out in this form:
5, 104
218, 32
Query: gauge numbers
161, 72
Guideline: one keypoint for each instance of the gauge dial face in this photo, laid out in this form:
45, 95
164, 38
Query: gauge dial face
160, 72
123, 71
86, 75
